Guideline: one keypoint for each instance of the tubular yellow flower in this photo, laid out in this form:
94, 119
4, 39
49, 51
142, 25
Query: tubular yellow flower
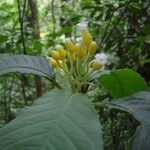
70, 46
63, 65
55, 55
92, 48
96, 65
62, 52
60, 63
71, 56
80, 51
53, 62
87, 38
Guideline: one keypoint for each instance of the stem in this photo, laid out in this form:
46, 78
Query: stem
88, 74
87, 60
71, 63
78, 69
56, 84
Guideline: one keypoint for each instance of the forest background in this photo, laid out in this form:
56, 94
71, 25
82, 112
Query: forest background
120, 27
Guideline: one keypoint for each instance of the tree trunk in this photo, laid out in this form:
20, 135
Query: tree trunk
34, 23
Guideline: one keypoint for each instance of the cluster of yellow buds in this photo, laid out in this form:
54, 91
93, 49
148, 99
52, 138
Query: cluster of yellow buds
75, 60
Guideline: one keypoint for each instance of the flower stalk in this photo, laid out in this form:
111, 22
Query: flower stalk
75, 62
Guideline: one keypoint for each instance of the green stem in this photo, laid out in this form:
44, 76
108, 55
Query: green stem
56, 84
88, 74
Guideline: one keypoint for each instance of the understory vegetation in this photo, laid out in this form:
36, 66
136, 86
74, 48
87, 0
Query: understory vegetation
74, 75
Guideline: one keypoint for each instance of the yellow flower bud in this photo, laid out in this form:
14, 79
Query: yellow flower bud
87, 38
62, 52
80, 51
60, 63
92, 48
55, 55
71, 56
53, 63
70, 46
63, 64
96, 65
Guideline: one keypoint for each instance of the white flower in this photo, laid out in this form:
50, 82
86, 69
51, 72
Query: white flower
83, 25
101, 58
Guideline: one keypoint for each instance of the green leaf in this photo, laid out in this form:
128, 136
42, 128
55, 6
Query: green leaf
26, 64
144, 61
135, 5
141, 139
139, 106
146, 29
3, 39
123, 82
60, 120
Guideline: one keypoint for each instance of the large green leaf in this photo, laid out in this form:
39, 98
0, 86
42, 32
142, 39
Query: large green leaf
139, 106
123, 82
25, 64
141, 139
58, 121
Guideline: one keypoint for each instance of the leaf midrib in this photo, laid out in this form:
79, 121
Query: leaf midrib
61, 112
23, 68
132, 113
119, 82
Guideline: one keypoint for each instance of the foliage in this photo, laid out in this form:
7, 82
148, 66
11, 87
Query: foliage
25, 64
94, 72
58, 120
123, 82
138, 106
